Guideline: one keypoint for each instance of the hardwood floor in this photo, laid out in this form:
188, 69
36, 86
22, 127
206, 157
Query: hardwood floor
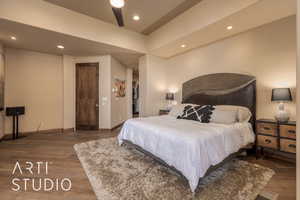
57, 149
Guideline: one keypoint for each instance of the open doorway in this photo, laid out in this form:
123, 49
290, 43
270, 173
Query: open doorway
135, 94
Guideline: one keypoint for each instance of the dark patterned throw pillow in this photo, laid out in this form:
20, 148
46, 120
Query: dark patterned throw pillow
197, 113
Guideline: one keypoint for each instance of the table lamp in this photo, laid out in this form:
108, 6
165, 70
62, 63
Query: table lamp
170, 97
282, 95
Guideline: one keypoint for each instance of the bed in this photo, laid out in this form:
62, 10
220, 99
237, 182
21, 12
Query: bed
190, 148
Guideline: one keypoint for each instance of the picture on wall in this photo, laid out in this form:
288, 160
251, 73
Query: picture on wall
120, 88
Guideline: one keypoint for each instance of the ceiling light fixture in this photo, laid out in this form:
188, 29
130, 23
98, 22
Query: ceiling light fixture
60, 46
13, 38
117, 3
229, 27
136, 18
183, 46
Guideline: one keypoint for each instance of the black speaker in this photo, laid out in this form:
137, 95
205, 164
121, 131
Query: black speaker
13, 111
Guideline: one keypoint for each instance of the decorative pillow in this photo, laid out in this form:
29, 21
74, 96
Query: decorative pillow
178, 109
224, 116
243, 113
197, 113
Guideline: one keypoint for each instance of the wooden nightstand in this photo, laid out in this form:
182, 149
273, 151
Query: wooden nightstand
163, 112
280, 137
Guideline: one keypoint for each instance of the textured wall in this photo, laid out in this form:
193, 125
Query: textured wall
2, 74
268, 52
34, 80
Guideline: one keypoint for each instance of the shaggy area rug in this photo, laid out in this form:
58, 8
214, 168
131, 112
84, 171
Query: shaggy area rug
123, 173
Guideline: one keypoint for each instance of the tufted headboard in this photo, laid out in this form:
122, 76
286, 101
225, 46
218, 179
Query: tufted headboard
222, 89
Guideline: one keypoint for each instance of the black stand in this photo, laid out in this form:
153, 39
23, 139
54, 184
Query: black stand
15, 126
15, 112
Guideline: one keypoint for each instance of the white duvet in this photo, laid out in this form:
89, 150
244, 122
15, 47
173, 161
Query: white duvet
189, 146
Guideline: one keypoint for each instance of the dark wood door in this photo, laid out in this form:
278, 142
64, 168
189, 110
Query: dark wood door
87, 96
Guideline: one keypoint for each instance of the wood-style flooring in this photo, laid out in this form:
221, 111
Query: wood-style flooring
57, 149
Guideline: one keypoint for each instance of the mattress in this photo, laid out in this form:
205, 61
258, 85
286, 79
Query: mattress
189, 146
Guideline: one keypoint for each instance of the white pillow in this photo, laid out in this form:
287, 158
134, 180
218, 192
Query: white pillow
243, 113
178, 109
224, 116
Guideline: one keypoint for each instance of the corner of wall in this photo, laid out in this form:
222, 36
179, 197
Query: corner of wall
120, 105
69, 74
298, 99
2, 130
152, 74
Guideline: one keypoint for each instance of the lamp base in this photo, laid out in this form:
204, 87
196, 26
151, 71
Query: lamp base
282, 116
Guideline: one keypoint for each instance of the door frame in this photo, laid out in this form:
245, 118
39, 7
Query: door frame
78, 65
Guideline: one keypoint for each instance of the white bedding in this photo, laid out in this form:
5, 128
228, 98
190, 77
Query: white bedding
189, 146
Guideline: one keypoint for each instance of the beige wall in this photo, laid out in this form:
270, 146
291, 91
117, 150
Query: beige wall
298, 99
143, 86
152, 73
46, 83
69, 92
119, 106
129, 79
113, 111
34, 80
267, 52
1, 113
104, 87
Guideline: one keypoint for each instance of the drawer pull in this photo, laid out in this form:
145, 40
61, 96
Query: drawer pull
268, 141
292, 146
267, 128
292, 131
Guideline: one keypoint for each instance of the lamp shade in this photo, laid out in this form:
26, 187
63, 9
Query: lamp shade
281, 94
170, 96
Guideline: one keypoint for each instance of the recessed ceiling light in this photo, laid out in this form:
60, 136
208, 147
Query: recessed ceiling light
117, 3
136, 17
13, 38
60, 46
229, 27
183, 46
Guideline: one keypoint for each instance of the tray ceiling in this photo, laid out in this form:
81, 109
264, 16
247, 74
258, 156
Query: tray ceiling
150, 21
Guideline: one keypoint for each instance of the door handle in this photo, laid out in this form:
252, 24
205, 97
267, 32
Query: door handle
97, 105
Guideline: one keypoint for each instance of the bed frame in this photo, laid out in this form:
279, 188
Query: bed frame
216, 89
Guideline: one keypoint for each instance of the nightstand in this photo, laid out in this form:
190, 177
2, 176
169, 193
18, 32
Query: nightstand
276, 136
163, 112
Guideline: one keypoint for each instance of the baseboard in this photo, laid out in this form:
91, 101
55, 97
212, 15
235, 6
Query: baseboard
69, 130
114, 128
58, 130
47, 131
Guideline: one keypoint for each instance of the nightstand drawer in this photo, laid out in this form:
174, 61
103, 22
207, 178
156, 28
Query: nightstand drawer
267, 141
266, 128
288, 145
288, 131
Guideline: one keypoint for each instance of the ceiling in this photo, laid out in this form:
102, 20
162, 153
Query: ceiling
81, 35
36, 39
165, 11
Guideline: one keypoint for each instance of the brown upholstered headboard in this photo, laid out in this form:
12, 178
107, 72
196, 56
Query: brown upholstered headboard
222, 89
